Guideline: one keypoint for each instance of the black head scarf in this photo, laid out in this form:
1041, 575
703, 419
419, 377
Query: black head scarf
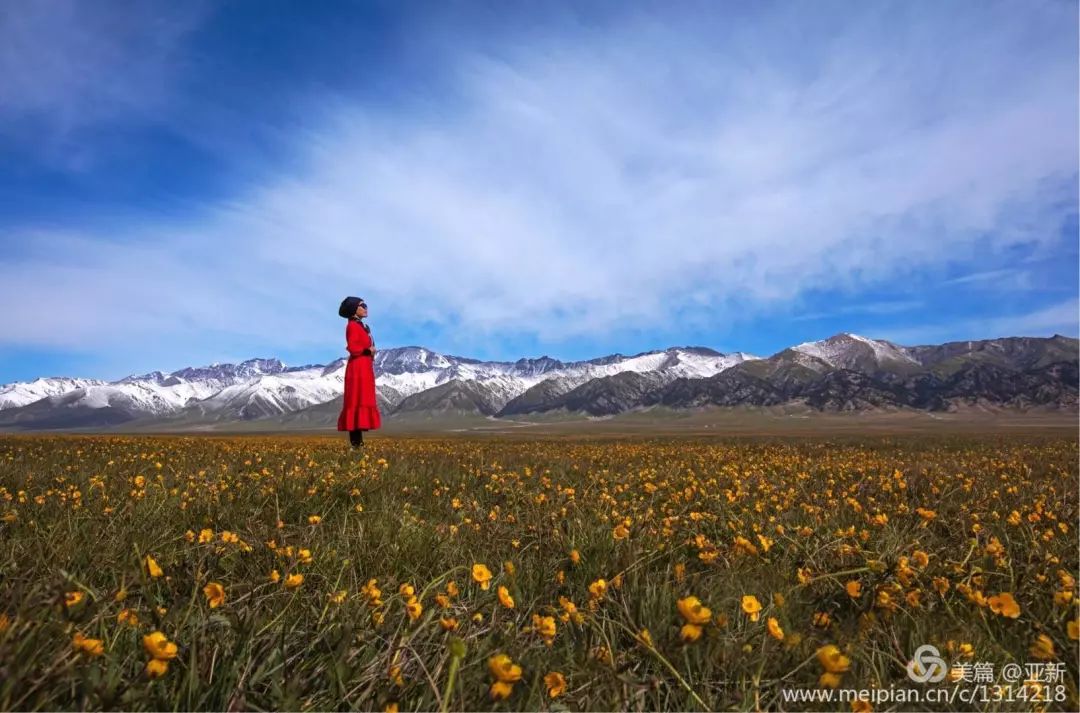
348, 307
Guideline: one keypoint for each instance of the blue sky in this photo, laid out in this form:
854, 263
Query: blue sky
185, 183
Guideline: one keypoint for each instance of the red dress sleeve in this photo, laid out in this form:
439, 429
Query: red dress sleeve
356, 339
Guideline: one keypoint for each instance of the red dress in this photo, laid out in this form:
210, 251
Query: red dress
360, 411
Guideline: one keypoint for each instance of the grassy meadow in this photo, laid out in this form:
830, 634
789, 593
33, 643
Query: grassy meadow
271, 572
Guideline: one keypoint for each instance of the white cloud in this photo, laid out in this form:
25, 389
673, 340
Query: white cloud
1061, 318
885, 307
66, 66
568, 188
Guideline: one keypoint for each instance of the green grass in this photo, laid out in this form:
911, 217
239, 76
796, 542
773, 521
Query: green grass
270, 648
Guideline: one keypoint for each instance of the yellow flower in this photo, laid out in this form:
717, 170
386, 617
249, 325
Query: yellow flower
693, 611
744, 545
555, 683
448, 623
339, 596
575, 556
215, 594
152, 567
156, 668
128, 616
91, 647
505, 599
506, 673
481, 575
830, 680
406, 590
854, 588
690, 633
502, 668
304, 556
293, 581
73, 598
832, 659
501, 690
621, 532
391, 708
189, 536
645, 638
597, 589
314, 519
679, 571
1043, 648
774, 629
508, 567
206, 535
452, 589
414, 608
1005, 605
396, 677
751, 606
1073, 628
545, 626
159, 646
275, 576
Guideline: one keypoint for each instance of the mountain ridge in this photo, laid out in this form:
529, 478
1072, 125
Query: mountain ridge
844, 372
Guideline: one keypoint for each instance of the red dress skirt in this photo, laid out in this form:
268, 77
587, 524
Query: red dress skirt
359, 411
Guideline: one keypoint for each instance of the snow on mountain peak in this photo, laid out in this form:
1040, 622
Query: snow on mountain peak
23, 393
259, 387
845, 349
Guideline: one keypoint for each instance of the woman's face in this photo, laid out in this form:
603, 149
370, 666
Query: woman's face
361, 310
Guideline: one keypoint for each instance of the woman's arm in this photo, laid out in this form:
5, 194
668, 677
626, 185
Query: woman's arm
357, 341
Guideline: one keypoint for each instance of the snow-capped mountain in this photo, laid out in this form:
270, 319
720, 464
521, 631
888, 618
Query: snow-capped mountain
147, 395
159, 394
851, 351
22, 393
259, 388
411, 370
845, 371
274, 393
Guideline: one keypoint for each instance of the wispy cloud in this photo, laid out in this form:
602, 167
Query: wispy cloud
571, 185
1003, 279
995, 276
887, 307
1062, 318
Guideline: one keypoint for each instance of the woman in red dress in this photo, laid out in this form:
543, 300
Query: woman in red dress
360, 412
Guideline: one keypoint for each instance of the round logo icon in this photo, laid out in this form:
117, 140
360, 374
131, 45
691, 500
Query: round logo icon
927, 666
